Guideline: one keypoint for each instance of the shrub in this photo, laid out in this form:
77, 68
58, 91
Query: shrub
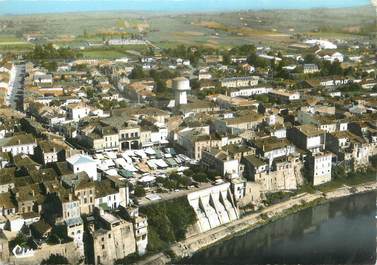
168, 222
55, 259
139, 191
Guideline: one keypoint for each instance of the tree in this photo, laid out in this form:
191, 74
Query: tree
352, 87
139, 191
339, 172
262, 98
122, 104
49, 52
161, 86
227, 59
374, 89
137, 73
55, 259
195, 84
20, 240
244, 50
168, 222
200, 177
310, 58
329, 68
51, 66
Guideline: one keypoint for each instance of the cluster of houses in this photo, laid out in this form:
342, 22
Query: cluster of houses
69, 162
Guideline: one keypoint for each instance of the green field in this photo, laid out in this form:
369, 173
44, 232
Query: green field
113, 52
276, 28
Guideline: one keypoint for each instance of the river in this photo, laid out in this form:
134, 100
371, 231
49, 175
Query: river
338, 232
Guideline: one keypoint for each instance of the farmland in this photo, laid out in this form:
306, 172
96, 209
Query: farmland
216, 30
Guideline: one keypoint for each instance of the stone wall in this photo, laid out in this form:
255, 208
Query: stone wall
287, 177
68, 250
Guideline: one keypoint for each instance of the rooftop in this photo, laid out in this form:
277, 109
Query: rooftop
310, 130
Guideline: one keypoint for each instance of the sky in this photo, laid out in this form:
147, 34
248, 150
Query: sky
53, 6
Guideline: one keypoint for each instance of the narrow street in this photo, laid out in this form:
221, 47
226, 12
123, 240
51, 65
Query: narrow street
15, 93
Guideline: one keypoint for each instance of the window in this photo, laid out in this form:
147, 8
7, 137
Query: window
103, 246
109, 235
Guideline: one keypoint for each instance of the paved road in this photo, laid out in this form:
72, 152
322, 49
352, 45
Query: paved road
15, 97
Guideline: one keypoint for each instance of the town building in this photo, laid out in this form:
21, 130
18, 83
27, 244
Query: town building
220, 161
82, 163
320, 166
283, 96
112, 240
238, 82
307, 137
18, 144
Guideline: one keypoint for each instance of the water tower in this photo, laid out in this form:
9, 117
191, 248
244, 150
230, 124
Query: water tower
181, 86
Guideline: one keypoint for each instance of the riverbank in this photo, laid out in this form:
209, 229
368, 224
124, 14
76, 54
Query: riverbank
189, 246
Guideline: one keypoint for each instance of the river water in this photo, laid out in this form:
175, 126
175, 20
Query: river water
338, 232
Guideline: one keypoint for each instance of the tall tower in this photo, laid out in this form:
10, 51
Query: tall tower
181, 86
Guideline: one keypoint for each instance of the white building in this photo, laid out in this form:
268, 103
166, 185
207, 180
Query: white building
82, 163
112, 198
18, 144
75, 230
310, 68
320, 167
336, 81
237, 82
333, 57
250, 91
284, 96
77, 111
221, 162
141, 234
160, 136
42, 78
120, 42
323, 44
70, 207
